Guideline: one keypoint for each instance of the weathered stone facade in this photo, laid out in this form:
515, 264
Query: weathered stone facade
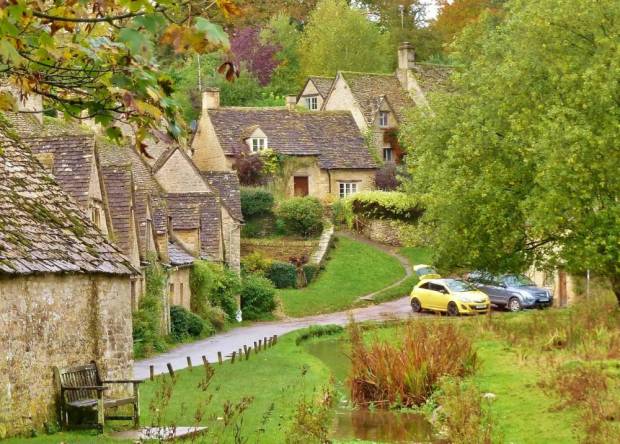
57, 320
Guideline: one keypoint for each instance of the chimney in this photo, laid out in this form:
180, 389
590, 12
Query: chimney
406, 56
211, 98
406, 62
291, 102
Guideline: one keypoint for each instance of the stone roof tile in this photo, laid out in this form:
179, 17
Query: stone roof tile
178, 255
322, 84
119, 183
42, 229
331, 135
227, 185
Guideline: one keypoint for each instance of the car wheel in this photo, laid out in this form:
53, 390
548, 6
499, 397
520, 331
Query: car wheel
453, 310
514, 305
415, 305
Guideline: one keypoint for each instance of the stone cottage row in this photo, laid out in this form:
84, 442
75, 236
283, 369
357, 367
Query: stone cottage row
163, 208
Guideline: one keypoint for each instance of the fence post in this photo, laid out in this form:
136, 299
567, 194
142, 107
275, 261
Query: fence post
219, 357
170, 370
275, 339
247, 353
151, 372
204, 361
255, 346
265, 343
245, 349
189, 363
232, 359
260, 344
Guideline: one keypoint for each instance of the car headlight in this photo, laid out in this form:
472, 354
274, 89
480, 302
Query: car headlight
467, 298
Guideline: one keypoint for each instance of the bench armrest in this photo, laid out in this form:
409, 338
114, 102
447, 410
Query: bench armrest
124, 381
99, 388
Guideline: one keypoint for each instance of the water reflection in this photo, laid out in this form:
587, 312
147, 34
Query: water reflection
368, 425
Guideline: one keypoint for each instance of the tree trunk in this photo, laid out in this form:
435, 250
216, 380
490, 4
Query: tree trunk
615, 286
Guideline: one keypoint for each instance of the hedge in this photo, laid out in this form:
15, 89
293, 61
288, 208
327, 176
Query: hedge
186, 324
302, 215
257, 297
255, 202
383, 205
282, 274
311, 271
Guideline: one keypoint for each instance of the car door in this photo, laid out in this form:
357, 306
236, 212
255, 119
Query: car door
493, 290
441, 297
425, 295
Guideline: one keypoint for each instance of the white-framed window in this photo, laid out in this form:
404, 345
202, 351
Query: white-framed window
388, 154
347, 188
258, 144
383, 119
312, 103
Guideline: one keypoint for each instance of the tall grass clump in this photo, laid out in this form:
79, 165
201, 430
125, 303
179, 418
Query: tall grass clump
404, 374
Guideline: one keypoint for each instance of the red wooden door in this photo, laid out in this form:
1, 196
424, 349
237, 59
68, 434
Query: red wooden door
300, 185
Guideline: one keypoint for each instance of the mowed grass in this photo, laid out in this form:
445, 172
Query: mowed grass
354, 270
417, 255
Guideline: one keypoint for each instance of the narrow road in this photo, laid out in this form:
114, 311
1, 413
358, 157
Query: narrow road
236, 338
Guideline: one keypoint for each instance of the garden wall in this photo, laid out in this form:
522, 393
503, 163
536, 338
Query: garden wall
385, 231
279, 249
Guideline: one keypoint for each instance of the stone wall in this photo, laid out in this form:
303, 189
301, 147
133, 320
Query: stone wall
179, 290
381, 230
278, 249
57, 320
231, 231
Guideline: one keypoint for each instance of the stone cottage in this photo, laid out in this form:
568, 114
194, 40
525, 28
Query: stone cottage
65, 291
330, 152
378, 101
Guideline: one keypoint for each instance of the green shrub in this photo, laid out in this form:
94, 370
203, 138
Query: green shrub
255, 202
257, 297
259, 226
185, 324
316, 331
147, 328
282, 274
302, 215
212, 286
382, 205
255, 263
216, 317
311, 270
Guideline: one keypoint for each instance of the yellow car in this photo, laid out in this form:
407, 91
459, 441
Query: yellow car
452, 296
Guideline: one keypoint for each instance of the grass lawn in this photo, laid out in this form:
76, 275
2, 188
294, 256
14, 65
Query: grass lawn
355, 269
416, 255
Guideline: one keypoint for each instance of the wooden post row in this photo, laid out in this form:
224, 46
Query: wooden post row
170, 370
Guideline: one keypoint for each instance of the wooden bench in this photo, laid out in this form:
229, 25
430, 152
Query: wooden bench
81, 388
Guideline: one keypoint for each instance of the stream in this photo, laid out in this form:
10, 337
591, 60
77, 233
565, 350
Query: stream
385, 426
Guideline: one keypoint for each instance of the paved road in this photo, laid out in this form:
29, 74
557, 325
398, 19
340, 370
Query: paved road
236, 338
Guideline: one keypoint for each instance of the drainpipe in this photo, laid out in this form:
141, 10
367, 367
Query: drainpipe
329, 177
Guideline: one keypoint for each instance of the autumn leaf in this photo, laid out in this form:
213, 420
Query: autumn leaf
229, 70
228, 7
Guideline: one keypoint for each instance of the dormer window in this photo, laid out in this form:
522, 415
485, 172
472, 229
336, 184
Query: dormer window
258, 144
312, 103
383, 119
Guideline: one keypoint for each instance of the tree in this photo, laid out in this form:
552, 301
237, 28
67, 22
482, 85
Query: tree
99, 59
338, 37
258, 57
455, 15
286, 34
519, 165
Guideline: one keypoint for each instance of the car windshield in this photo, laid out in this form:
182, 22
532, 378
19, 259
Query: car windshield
517, 280
425, 270
458, 286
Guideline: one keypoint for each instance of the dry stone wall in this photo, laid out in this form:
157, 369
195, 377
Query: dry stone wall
57, 320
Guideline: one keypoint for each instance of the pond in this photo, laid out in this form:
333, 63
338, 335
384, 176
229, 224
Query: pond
370, 425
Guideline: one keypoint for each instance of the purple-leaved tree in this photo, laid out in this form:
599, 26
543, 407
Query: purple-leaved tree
259, 58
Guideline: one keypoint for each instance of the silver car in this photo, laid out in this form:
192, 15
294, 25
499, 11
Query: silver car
511, 291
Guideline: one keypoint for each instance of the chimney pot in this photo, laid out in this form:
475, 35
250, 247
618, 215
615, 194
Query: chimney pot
211, 98
406, 56
291, 102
